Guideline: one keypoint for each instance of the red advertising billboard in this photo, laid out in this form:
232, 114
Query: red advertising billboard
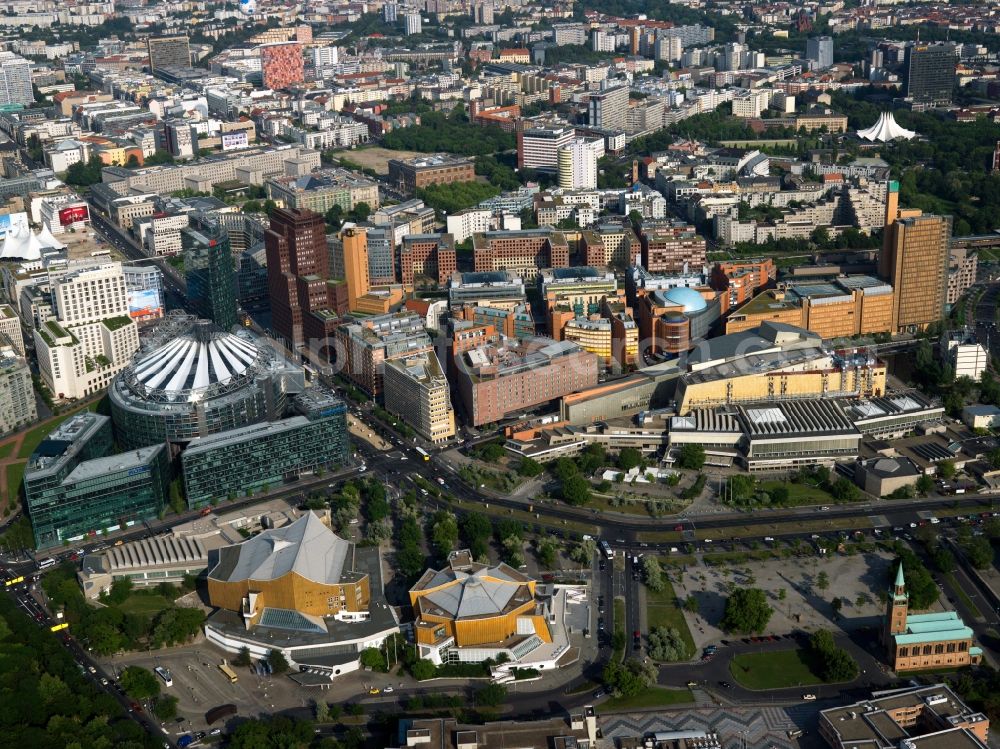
73, 214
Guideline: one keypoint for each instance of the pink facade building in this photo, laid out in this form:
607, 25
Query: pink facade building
281, 65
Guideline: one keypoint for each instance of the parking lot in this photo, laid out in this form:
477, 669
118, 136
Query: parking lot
199, 686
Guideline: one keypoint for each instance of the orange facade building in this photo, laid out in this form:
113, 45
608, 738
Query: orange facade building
303, 567
848, 306
470, 612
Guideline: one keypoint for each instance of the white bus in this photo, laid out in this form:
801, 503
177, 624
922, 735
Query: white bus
50, 562
606, 549
164, 674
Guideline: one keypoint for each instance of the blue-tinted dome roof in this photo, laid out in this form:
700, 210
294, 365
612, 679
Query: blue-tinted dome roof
690, 299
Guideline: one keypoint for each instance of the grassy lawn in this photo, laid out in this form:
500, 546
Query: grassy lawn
800, 494
619, 622
652, 697
662, 611
144, 604
774, 670
15, 472
963, 596
6, 450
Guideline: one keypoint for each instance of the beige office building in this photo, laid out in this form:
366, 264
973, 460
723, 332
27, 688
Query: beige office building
915, 261
417, 391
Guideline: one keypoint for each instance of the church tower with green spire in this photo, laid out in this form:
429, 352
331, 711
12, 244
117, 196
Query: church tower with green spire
896, 609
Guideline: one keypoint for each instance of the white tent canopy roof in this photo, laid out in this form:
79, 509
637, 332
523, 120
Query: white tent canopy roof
885, 130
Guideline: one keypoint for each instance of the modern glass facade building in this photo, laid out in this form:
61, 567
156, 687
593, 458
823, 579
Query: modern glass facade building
210, 273
262, 456
199, 381
73, 488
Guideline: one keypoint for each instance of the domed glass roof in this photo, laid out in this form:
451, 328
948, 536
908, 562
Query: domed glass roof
690, 299
195, 361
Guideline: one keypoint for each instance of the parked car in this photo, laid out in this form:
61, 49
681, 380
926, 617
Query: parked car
809, 697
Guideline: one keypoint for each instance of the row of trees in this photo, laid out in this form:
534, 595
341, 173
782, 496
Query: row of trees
666, 645
834, 664
46, 702
110, 629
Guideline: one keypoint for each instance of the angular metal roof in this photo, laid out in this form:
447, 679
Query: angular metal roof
306, 547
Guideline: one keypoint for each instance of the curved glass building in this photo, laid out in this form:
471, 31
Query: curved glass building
196, 380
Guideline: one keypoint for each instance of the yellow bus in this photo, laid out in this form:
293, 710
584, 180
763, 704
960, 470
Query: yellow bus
228, 673
58, 627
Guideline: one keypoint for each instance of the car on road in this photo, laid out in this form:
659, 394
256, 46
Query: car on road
92, 669
725, 685
387, 690
104, 681
691, 684
598, 694
824, 508
215, 732
600, 623
374, 690
809, 697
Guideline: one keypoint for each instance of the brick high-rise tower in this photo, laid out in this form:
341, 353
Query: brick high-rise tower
298, 267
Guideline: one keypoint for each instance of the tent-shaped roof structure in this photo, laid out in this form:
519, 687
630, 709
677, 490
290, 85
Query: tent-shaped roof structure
885, 130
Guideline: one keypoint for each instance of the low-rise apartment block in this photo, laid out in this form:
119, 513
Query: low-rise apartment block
409, 175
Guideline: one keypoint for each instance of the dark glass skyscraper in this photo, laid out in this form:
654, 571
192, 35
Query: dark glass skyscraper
929, 73
210, 272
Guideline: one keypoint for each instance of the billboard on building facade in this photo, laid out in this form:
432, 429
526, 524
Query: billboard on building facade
144, 304
73, 214
17, 222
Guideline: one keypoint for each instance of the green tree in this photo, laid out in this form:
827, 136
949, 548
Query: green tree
978, 551
361, 212
629, 458
139, 683
529, 467
666, 645
925, 484
546, 549
943, 559
374, 659
653, 573
444, 532
630, 678
166, 707
691, 457
421, 669
576, 491
691, 604
844, 490
822, 580
740, 488
946, 469
746, 611
277, 661
476, 529
492, 695
243, 659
